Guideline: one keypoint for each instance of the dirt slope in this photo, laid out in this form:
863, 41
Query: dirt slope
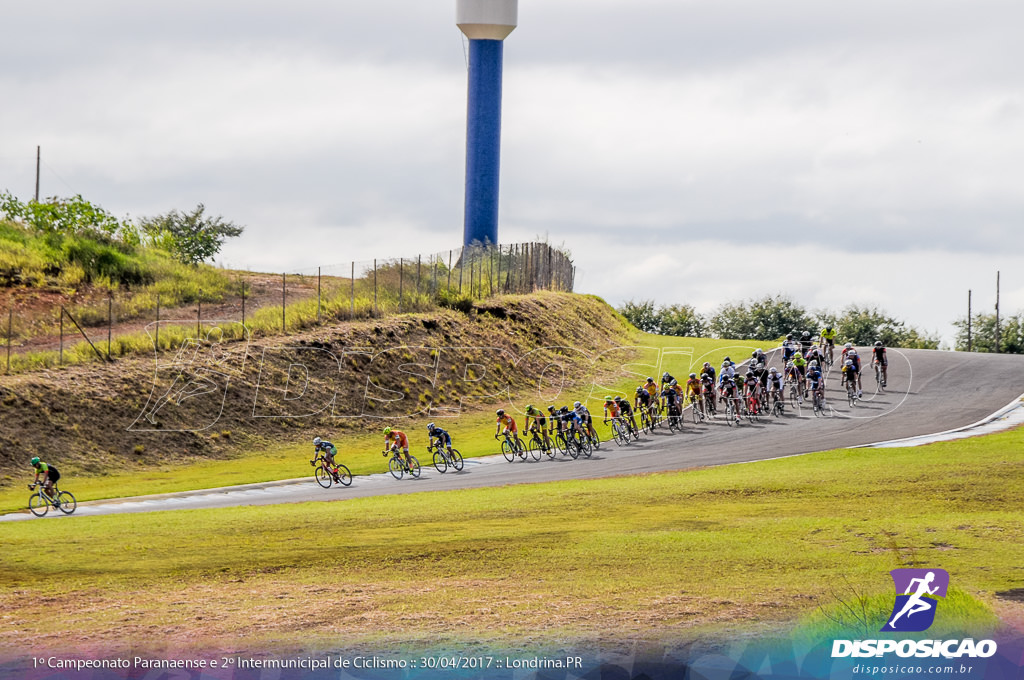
211, 399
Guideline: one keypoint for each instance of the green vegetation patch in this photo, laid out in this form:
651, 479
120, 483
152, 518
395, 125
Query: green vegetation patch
665, 556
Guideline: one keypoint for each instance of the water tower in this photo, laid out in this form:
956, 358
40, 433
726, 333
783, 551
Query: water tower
486, 23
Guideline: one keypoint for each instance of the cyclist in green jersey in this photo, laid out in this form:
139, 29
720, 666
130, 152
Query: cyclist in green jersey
48, 473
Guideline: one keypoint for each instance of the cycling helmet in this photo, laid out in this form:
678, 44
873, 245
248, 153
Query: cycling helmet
500, 412
673, 383
772, 370
798, 355
848, 362
848, 345
851, 353
640, 390
608, 399
707, 364
387, 431
789, 364
814, 363
728, 359
650, 379
430, 427
703, 376
618, 399
878, 343
760, 366
753, 354
665, 375
805, 334
789, 336
576, 404
564, 409
828, 329
551, 409
316, 441
725, 363
35, 461
692, 376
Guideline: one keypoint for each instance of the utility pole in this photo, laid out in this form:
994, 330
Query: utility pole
968, 319
38, 161
997, 312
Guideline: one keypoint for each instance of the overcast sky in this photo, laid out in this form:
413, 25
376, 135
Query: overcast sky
691, 151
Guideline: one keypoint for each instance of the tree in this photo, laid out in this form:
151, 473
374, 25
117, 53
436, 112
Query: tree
641, 315
983, 333
681, 320
68, 217
192, 237
768, 318
863, 326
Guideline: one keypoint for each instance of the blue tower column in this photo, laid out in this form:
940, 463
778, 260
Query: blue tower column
483, 141
486, 23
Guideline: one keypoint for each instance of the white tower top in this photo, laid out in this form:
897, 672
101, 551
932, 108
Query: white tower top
486, 19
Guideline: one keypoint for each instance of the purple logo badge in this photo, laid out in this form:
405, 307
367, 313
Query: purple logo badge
916, 590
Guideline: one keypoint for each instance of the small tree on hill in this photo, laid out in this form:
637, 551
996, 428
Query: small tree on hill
192, 237
768, 318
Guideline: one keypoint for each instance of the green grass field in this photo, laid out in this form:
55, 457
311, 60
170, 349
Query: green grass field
473, 432
730, 550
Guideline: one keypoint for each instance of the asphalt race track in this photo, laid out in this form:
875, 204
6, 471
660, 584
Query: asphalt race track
928, 392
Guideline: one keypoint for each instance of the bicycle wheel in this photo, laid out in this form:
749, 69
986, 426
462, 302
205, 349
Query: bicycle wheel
535, 448
38, 505
455, 459
67, 502
323, 477
730, 413
414, 467
586, 446
396, 468
880, 384
508, 450
624, 432
616, 435
440, 462
344, 475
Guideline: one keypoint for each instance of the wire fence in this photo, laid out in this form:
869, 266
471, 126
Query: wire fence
250, 304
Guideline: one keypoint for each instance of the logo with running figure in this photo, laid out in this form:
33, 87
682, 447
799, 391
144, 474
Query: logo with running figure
914, 610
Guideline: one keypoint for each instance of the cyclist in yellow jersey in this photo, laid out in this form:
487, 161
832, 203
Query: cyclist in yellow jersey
539, 423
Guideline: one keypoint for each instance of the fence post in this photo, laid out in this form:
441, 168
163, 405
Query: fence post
433, 285
375, 287
284, 296
352, 284
60, 361
10, 331
110, 321
401, 273
490, 272
318, 295
199, 313
462, 267
472, 279
500, 248
418, 262
449, 271
243, 306
158, 324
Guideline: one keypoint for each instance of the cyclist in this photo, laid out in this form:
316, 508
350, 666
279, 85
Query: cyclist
847, 348
774, 386
666, 378
509, 424
708, 388
801, 368
788, 349
642, 401
49, 473
443, 438
586, 421
652, 388
878, 357
828, 340
728, 387
669, 400
538, 424
816, 381
853, 356
627, 415
611, 407
709, 369
569, 420
814, 354
850, 374
324, 448
695, 391
793, 375
397, 438
752, 391
758, 357
805, 341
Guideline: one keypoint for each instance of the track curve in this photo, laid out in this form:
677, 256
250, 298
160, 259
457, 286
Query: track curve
929, 391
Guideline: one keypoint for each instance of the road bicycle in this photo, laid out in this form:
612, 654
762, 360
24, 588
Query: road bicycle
325, 475
567, 444
732, 410
818, 401
398, 465
510, 447
620, 432
445, 457
851, 391
584, 442
675, 419
697, 409
711, 408
879, 377
39, 502
751, 408
778, 403
645, 420
795, 396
